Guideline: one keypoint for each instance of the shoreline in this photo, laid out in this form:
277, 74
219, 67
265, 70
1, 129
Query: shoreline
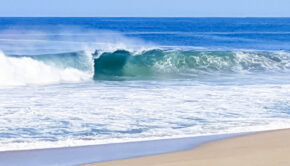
266, 148
106, 152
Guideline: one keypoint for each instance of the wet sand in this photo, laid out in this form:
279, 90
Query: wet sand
78, 155
270, 148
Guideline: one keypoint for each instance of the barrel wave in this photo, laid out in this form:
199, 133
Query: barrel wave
130, 65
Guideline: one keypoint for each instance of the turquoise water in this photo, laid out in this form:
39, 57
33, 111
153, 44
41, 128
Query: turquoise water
82, 81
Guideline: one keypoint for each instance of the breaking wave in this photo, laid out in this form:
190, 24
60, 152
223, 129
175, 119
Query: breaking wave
124, 64
158, 63
23, 70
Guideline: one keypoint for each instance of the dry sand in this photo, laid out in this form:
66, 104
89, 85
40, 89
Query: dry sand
271, 148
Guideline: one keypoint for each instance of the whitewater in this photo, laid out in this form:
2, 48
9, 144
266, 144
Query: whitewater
23, 71
104, 80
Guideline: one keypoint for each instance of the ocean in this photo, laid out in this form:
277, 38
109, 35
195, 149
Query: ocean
85, 81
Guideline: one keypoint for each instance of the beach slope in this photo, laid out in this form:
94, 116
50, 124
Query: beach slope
271, 148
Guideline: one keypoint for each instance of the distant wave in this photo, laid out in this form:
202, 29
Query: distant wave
122, 64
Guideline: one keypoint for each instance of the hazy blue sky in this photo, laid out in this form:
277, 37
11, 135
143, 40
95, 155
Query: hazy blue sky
147, 8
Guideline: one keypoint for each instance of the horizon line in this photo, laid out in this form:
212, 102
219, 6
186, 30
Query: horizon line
144, 16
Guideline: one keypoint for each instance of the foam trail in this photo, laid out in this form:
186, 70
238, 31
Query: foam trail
25, 70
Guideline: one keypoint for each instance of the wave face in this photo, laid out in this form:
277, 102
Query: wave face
157, 63
43, 69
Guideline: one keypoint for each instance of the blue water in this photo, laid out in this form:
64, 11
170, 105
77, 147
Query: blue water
245, 33
81, 81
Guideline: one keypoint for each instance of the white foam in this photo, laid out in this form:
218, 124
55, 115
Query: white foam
71, 142
252, 61
106, 112
23, 71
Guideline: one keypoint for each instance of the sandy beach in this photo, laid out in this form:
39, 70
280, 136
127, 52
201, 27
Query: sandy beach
262, 149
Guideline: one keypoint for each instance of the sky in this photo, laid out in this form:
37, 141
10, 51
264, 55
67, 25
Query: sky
145, 8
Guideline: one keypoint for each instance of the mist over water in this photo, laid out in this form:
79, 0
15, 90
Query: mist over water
82, 81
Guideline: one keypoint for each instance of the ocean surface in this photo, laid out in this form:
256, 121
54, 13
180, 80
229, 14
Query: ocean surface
86, 81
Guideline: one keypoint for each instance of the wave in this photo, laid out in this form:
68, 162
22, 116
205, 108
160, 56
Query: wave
185, 63
123, 64
24, 70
